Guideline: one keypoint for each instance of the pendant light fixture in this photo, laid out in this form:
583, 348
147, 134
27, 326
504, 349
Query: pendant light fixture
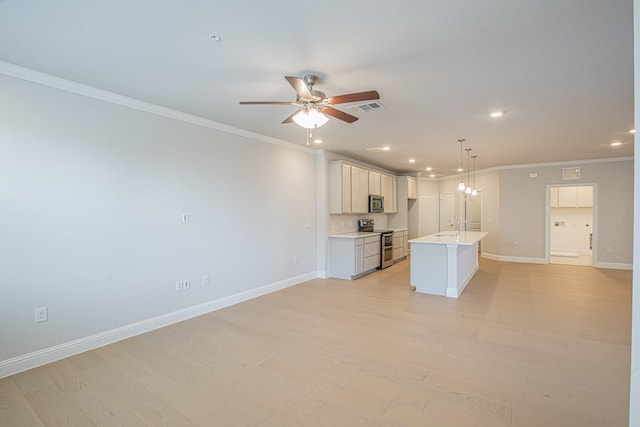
460, 169
474, 192
468, 189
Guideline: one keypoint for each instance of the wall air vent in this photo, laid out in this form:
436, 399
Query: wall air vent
369, 106
570, 173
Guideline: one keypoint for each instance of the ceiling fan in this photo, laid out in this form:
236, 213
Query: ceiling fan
315, 104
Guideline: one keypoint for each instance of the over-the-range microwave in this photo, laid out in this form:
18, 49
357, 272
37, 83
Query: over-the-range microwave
376, 204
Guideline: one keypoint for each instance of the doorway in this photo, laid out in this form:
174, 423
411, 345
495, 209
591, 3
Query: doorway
570, 238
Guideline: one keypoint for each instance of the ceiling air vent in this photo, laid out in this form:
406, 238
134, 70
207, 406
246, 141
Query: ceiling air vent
369, 106
570, 173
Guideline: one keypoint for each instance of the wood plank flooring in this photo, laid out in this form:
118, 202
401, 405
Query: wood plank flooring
524, 345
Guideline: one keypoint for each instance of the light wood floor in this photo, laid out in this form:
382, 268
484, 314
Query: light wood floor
525, 345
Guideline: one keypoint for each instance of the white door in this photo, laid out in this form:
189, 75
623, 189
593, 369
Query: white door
428, 214
447, 210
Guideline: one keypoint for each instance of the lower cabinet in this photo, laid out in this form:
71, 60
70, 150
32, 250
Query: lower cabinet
400, 245
351, 258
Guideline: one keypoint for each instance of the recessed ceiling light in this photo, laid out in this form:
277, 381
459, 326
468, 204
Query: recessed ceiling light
632, 131
496, 114
317, 141
428, 168
460, 169
616, 143
412, 160
433, 175
386, 148
214, 37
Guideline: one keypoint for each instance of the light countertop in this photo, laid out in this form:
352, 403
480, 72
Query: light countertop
449, 237
354, 235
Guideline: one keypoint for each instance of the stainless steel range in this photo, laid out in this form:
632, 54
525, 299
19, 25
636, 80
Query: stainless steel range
386, 241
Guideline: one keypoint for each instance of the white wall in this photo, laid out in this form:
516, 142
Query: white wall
634, 400
523, 209
92, 196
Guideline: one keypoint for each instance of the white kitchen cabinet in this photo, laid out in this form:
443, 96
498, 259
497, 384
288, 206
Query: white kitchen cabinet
359, 190
349, 187
374, 183
352, 257
567, 197
388, 190
574, 197
339, 178
371, 253
412, 188
400, 243
359, 257
585, 196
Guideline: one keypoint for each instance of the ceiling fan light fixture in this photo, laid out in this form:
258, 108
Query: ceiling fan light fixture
310, 119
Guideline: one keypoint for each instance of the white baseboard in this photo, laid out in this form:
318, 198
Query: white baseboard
51, 354
455, 293
527, 260
613, 265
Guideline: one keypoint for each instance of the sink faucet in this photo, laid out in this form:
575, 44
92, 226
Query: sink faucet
454, 222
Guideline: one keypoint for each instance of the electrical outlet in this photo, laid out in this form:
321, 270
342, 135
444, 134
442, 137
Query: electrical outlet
179, 286
186, 285
42, 314
185, 217
607, 249
205, 280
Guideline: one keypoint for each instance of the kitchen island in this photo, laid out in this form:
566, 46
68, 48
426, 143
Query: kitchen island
444, 263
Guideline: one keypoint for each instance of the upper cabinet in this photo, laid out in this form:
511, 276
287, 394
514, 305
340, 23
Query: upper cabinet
374, 183
412, 188
571, 197
339, 188
388, 190
350, 186
585, 197
359, 190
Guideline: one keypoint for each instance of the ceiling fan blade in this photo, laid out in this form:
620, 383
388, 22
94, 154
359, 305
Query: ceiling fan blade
300, 87
267, 103
353, 97
290, 118
330, 111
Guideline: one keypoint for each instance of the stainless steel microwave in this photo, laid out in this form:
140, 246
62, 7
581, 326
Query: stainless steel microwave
376, 204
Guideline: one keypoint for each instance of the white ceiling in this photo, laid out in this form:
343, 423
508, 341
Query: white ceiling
562, 69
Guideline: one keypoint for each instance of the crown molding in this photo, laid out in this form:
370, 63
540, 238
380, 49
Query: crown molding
44, 79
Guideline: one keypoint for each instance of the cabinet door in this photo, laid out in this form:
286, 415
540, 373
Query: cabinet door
359, 190
405, 238
412, 188
346, 188
374, 183
567, 197
585, 197
359, 256
339, 188
388, 193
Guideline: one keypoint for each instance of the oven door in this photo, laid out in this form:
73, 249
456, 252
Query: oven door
387, 240
386, 259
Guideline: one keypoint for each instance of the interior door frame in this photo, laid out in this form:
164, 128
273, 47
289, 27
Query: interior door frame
594, 228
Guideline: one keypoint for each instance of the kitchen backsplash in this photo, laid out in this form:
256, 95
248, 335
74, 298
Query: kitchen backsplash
346, 223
